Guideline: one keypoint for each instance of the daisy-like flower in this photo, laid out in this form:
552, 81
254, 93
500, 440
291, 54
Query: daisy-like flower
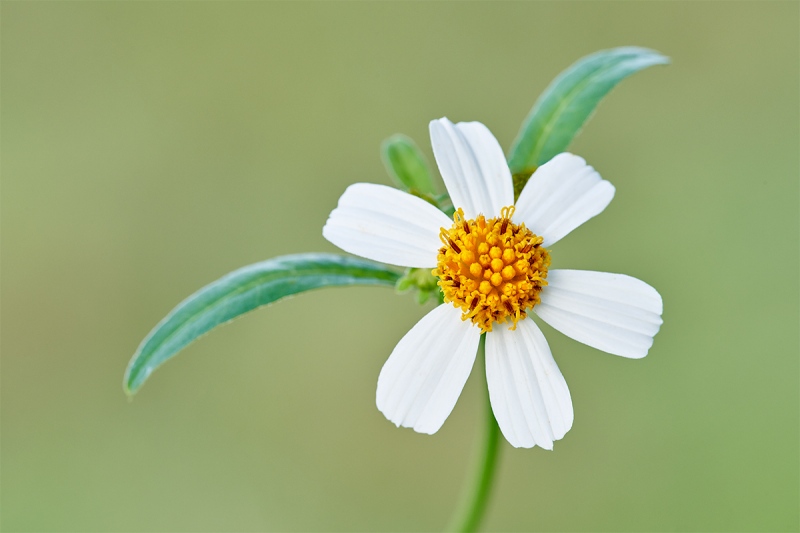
493, 265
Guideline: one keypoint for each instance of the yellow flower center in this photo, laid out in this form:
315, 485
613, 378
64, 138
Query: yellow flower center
492, 270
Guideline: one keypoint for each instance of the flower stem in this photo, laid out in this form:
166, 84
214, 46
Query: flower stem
475, 494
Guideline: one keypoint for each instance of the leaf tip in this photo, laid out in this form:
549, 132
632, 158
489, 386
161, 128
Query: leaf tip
660, 59
128, 387
654, 57
132, 380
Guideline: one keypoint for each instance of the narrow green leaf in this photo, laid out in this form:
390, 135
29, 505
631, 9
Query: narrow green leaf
244, 290
407, 165
569, 101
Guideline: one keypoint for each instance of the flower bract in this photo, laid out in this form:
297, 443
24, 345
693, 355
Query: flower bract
492, 261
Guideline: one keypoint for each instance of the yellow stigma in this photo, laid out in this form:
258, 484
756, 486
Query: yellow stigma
492, 270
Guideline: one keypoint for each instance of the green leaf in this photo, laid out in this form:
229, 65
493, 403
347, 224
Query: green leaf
569, 101
244, 290
407, 165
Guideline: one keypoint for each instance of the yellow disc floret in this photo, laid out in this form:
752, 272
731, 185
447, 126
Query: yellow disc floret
492, 269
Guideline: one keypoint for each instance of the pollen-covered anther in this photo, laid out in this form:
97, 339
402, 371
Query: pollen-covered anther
491, 269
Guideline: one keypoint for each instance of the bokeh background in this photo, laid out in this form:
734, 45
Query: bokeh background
150, 147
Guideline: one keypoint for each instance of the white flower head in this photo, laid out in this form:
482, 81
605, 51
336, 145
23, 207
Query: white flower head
492, 261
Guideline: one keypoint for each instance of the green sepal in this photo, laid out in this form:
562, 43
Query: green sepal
242, 291
570, 100
421, 280
407, 165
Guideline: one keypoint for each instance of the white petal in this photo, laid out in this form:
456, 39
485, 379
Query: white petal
423, 378
611, 312
473, 167
386, 225
561, 195
529, 396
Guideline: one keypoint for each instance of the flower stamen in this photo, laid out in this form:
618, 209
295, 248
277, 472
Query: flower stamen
493, 270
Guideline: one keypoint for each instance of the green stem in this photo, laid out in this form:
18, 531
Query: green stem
475, 494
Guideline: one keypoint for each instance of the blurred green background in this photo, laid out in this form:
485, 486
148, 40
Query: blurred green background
150, 147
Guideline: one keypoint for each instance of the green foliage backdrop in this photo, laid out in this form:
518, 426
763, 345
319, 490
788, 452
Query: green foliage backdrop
150, 148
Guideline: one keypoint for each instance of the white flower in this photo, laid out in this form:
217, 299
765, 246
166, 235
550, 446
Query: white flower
492, 262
